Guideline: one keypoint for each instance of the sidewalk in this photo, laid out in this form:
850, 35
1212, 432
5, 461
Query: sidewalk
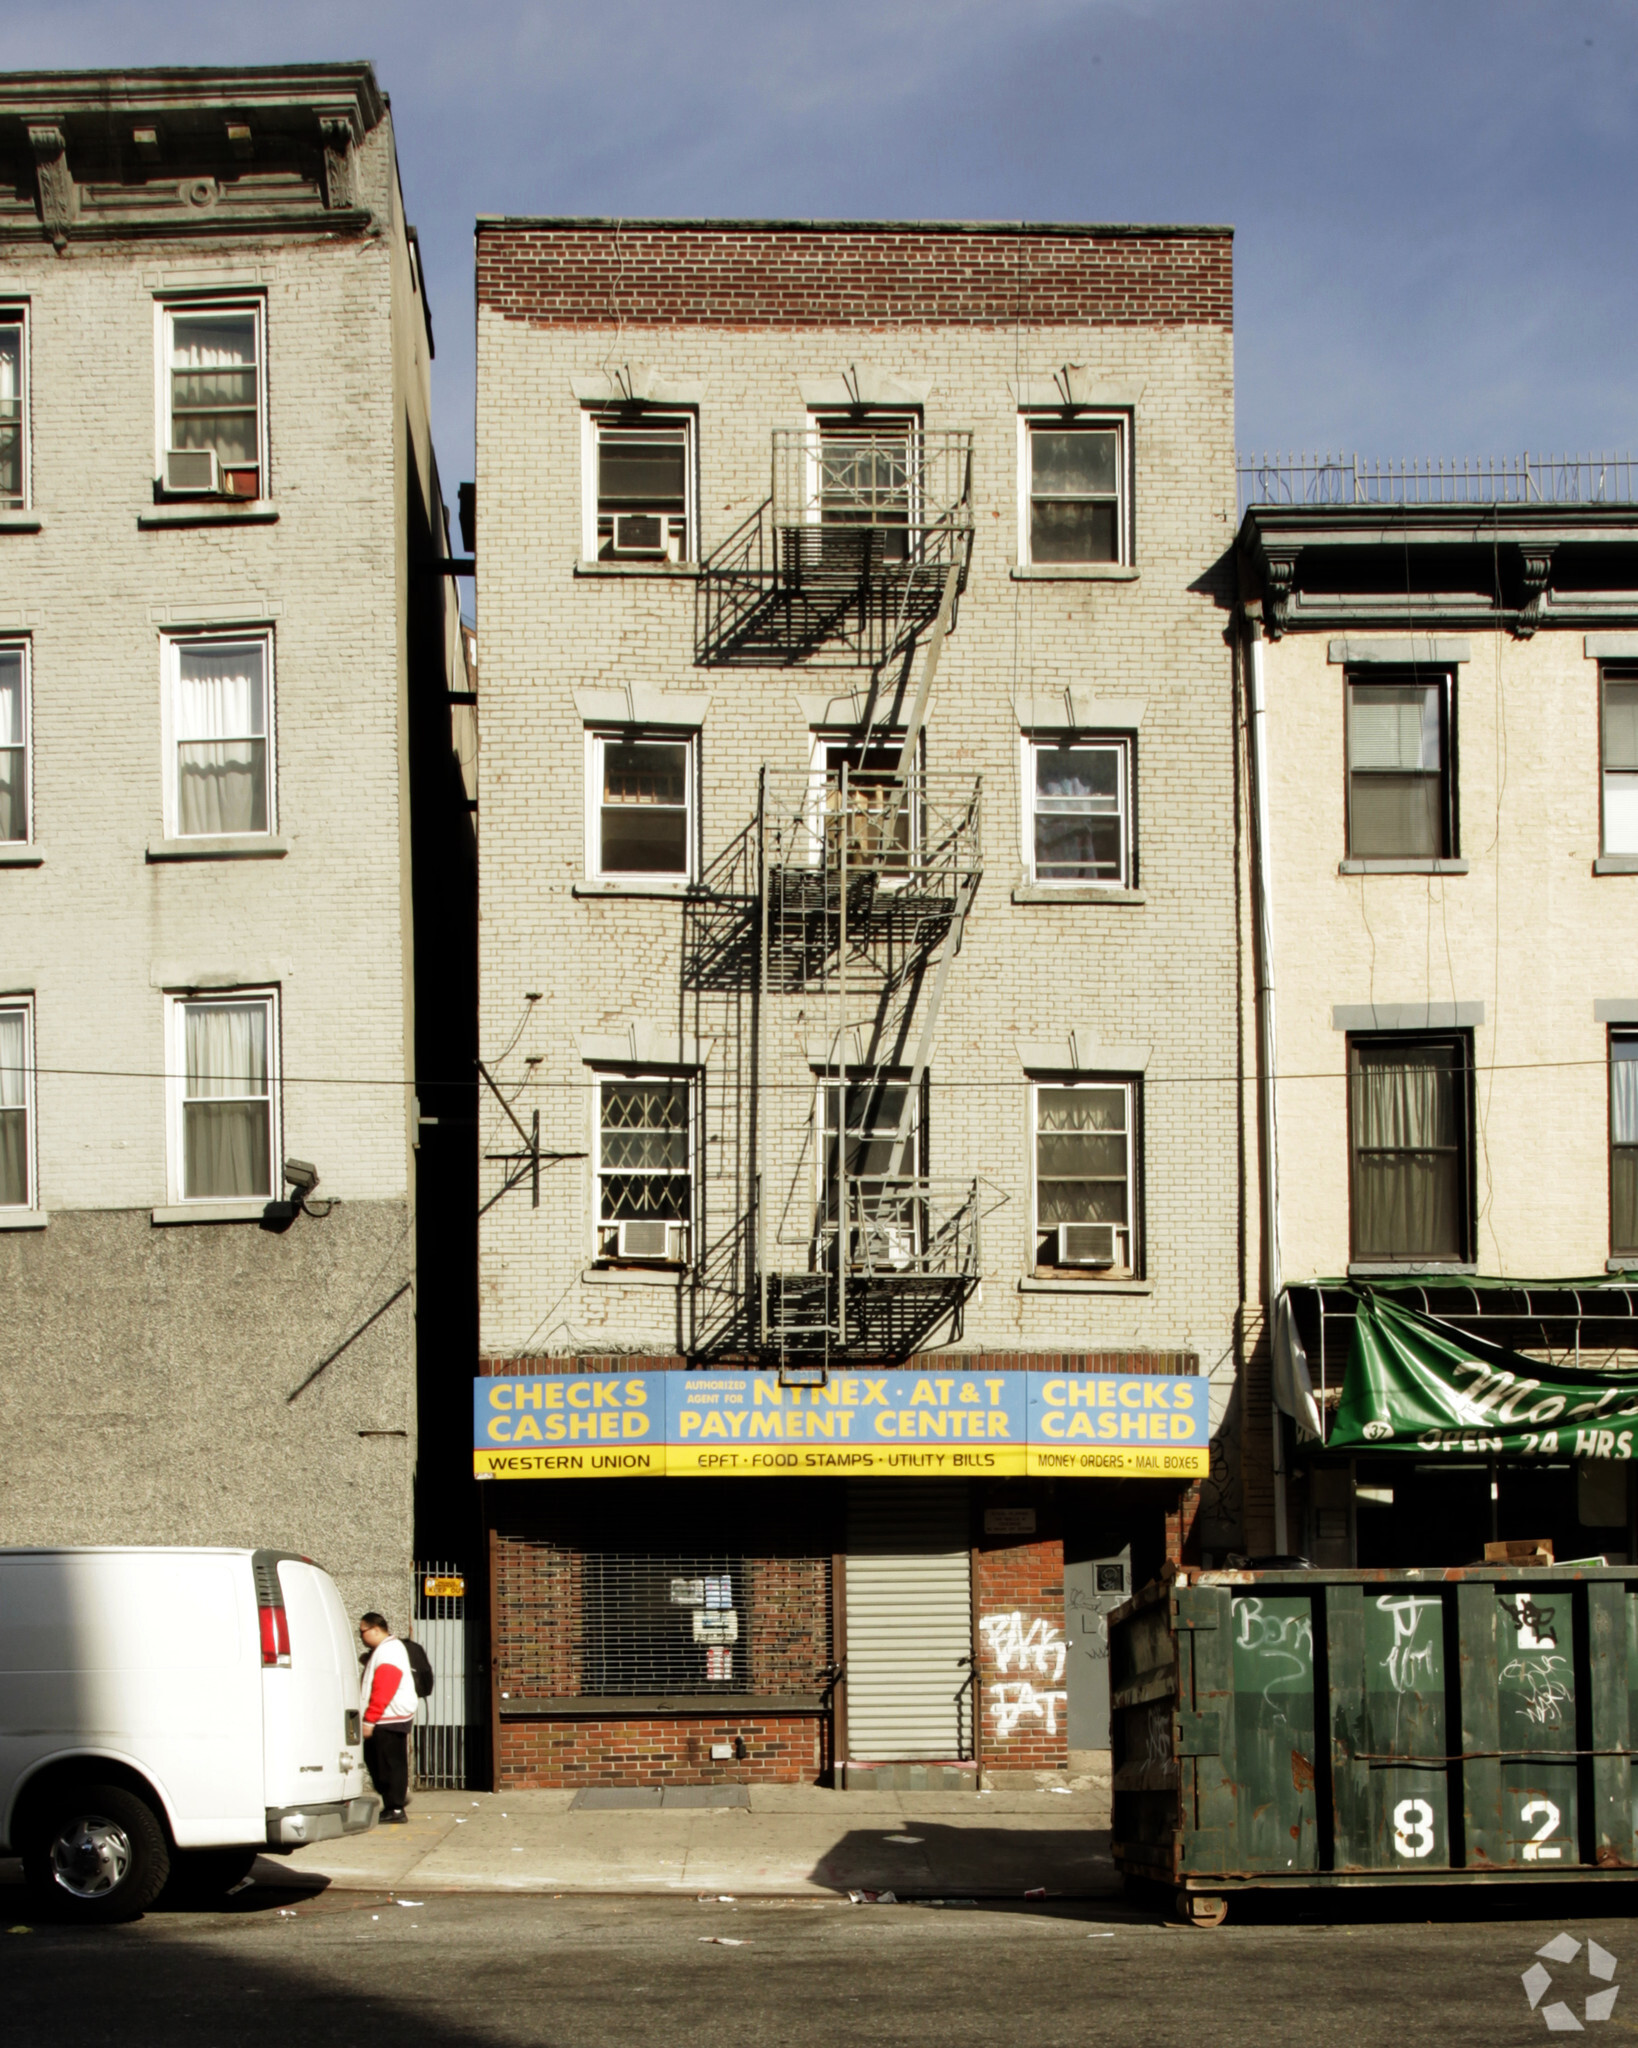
783, 1841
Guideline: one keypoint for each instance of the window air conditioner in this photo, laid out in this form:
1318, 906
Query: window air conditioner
1088, 1244
640, 533
192, 469
651, 1241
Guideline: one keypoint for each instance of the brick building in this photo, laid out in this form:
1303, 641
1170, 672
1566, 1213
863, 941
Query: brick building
858, 971
226, 648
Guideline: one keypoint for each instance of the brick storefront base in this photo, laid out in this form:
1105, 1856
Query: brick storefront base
675, 1749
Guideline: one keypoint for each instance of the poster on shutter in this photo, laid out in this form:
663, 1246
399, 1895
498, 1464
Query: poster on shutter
900, 1424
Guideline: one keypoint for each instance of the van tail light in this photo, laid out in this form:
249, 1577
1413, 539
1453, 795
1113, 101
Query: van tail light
275, 1637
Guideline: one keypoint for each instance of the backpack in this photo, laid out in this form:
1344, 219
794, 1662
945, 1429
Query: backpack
420, 1665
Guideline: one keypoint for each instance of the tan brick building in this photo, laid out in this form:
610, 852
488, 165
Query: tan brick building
225, 653
1445, 666
859, 954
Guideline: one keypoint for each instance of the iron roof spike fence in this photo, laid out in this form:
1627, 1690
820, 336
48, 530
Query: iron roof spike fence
1350, 479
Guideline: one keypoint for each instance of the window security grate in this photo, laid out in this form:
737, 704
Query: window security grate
664, 1624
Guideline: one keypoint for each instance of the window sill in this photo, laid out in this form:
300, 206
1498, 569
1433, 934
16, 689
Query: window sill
209, 512
220, 1212
19, 856
1075, 892
665, 891
635, 1276
685, 569
24, 1219
1401, 867
1616, 864
20, 522
1073, 572
218, 849
1065, 1285
1626, 1265
1410, 1269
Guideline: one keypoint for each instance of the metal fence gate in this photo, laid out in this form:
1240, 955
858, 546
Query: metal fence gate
446, 1725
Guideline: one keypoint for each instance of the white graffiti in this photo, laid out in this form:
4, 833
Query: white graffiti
1017, 1700
1405, 1663
1039, 1647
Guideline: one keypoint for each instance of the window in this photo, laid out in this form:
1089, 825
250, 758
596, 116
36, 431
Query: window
1624, 1143
1075, 492
1080, 811
885, 1207
1620, 760
864, 475
213, 402
644, 1170
1399, 790
641, 826
17, 1105
1086, 1174
224, 1059
219, 778
640, 475
879, 821
1410, 1115
13, 410
15, 807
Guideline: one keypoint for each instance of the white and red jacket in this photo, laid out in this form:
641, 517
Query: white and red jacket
388, 1689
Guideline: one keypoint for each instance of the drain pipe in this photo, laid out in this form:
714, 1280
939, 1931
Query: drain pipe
1273, 1279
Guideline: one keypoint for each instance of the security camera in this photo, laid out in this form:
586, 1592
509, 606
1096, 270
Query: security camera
301, 1174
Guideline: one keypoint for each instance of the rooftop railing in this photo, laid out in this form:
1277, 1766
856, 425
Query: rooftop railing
1507, 480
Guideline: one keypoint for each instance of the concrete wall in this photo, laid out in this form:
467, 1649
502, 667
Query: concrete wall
1529, 932
147, 1368
1156, 974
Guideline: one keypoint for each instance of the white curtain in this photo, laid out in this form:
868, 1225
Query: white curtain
13, 750
226, 1104
221, 739
1407, 1178
13, 1108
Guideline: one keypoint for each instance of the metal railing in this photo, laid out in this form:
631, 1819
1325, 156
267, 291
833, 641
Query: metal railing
1507, 480
903, 482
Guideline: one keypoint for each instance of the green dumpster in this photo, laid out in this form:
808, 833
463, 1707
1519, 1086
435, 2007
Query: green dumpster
1374, 1727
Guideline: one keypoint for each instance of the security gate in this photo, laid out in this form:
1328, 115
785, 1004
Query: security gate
909, 1620
446, 1721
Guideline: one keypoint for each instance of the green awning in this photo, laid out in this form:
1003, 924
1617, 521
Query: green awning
1415, 1383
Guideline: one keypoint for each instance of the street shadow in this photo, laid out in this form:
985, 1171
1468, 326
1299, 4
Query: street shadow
274, 1886
921, 1859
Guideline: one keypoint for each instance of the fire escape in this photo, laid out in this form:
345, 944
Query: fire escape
849, 895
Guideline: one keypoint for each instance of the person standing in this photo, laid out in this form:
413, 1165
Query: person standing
388, 1698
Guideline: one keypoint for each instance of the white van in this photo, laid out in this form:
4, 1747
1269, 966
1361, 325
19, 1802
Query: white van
170, 1715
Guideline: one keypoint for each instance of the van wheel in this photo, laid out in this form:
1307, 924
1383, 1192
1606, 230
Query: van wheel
200, 1877
97, 1853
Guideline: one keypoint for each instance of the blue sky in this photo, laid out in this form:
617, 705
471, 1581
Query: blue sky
1433, 199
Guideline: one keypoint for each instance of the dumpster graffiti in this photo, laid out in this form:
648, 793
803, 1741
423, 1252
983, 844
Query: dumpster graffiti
1408, 1663
1283, 1642
1036, 1646
1542, 1698
1534, 1624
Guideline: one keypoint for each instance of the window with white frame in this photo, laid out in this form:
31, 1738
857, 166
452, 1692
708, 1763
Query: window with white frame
225, 1096
1086, 1178
219, 736
1074, 489
645, 1161
17, 1172
639, 485
864, 472
640, 825
861, 809
882, 1168
14, 451
1620, 759
213, 399
16, 764
1079, 798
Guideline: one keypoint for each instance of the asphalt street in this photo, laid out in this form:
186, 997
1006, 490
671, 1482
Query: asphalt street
281, 1964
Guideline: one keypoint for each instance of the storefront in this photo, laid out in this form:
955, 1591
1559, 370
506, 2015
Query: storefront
894, 1577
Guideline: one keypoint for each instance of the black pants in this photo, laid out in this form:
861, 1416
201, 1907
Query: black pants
386, 1758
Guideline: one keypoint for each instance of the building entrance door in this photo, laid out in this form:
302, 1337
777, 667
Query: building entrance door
909, 1621
1093, 1588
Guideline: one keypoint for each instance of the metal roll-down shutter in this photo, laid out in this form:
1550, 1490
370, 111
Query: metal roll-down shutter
909, 1620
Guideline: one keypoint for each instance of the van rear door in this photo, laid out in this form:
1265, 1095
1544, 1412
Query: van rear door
313, 1754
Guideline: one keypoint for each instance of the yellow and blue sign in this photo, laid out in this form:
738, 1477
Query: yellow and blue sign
745, 1425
